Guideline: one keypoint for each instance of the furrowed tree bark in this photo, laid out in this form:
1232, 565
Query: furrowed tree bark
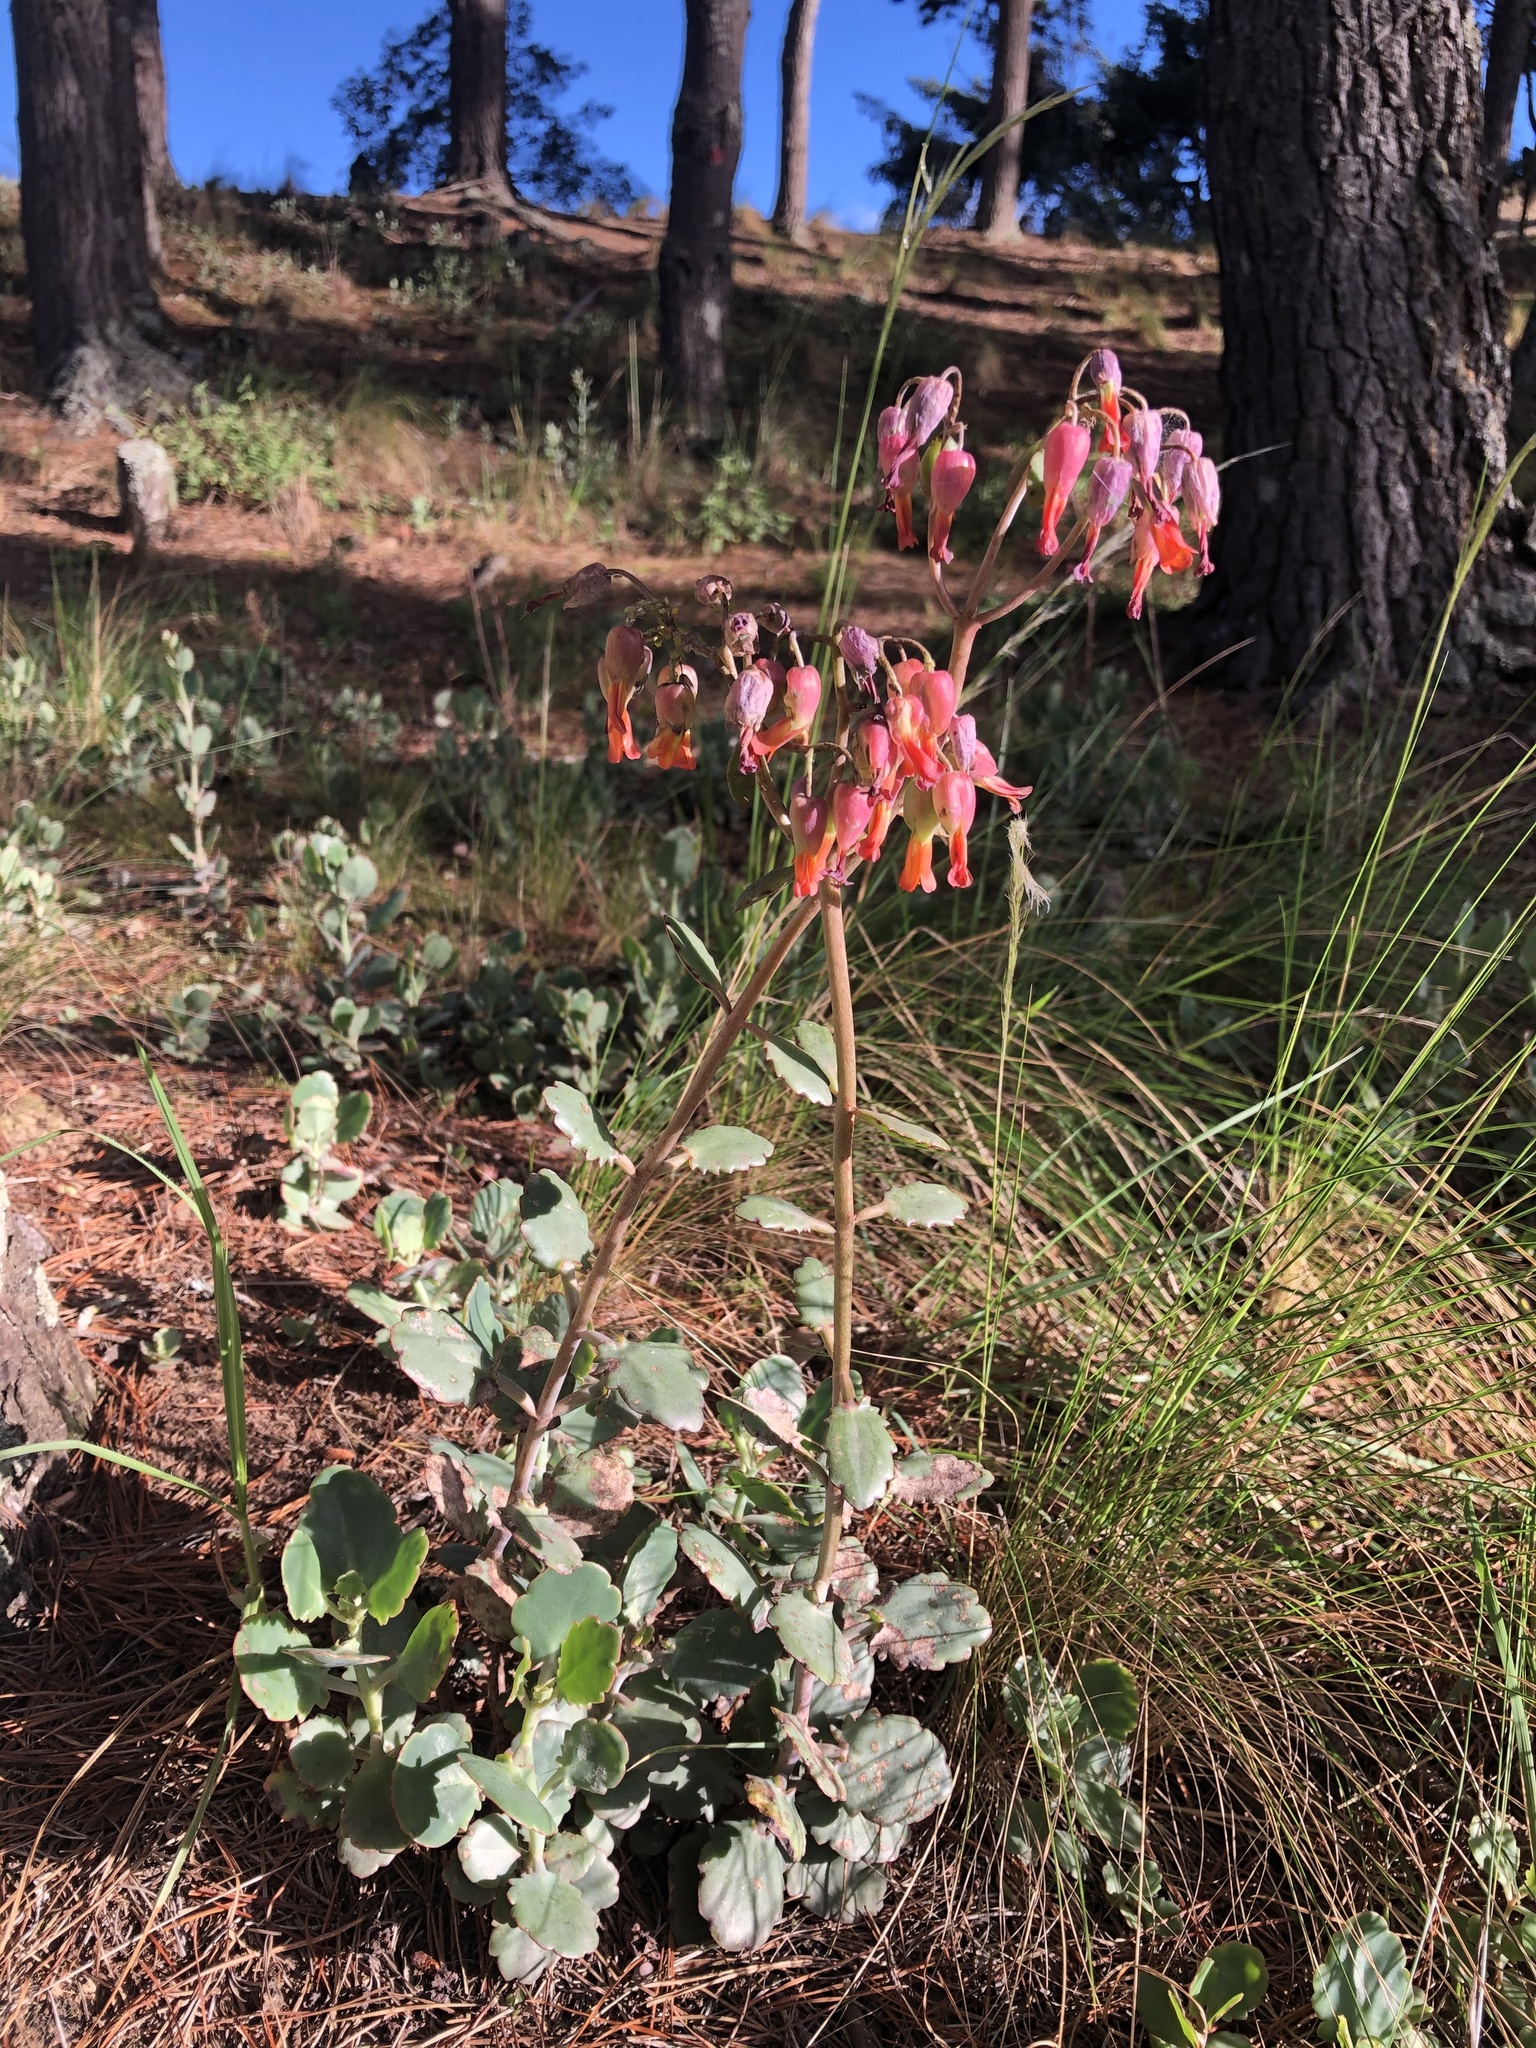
997, 211
95, 318
148, 60
795, 119
694, 271
1509, 49
477, 94
1364, 377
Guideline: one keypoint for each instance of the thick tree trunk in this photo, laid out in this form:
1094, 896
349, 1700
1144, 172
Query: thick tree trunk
1509, 49
1364, 377
142, 19
997, 212
694, 271
94, 311
795, 119
477, 93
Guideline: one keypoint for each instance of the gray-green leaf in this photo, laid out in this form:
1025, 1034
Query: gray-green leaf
741, 1885
553, 1913
283, 1686
925, 1205
725, 1148
439, 1354
930, 1621
545, 1615
657, 1381
581, 1123
772, 1212
1364, 1981
896, 1770
554, 1223
797, 1071
860, 1455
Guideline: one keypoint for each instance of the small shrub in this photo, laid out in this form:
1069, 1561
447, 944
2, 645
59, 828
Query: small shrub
312, 1188
247, 451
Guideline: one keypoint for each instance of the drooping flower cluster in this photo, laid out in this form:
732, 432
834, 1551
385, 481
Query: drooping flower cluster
1147, 463
895, 741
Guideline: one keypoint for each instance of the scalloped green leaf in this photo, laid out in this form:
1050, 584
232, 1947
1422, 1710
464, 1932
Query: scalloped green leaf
834, 1889
1363, 1980
814, 1294
352, 1114
320, 1750
352, 1525
818, 1041
490, 1848
695, 957
553, 1913
390, 1591
772, 1212
648, 1572
438, 1354
420, 1665
554, 1224
798, 1071
725, 1148
657, 1381
504, 1788
545, 1615
905, 1127
1231, 1982
581, 1123
594, 1756
724, 1567
808, 1630
370, 1835
741, 1885
924, 1205
1107, 1702
896, 1770
435, 1798
719, 1655
860, 1454
589, 1660
283, 1686
930, 1621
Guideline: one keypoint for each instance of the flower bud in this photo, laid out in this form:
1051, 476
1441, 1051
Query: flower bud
873, 750
810, 828
1179, 451
1144, 433
851, 808
714, 590
676, 696
1202, 494
741, 634
1107, 486
951, 477
936, 688
626, 657
774, 619
859, 649
928, 407
1063, 454
1104, 373
802, 696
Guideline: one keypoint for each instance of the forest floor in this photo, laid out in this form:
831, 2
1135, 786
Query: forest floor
411, 397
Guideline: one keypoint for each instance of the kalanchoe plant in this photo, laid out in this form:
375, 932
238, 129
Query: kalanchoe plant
313, 1185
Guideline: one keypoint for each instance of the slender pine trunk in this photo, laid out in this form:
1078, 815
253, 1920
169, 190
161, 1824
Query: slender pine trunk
1364, 376
694, 271
795, 119
477, 94
997, 212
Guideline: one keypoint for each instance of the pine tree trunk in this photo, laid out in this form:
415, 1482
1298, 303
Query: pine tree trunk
795, 119
1509, 46
477, 93
997, 212
694, 271
143, 28
94, 311
1364, 377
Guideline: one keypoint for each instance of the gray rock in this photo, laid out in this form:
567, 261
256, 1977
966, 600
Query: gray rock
146, 489
47, 1388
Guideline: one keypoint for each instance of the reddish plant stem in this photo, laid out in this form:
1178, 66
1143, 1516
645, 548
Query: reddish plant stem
726, 1032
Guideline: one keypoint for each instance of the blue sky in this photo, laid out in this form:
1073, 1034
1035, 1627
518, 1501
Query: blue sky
249, 84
